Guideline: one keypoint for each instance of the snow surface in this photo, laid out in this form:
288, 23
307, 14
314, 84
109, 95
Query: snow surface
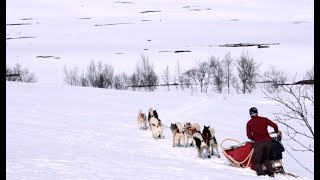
68, 132
54, 131
198, 26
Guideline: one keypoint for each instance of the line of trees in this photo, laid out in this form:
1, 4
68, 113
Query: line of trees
17, 73
214, 74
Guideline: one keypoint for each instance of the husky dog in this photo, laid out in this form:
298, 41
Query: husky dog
200, 144
210, 139
152, 113
195, 127
177, 132
189, 130
142, 120
156, 128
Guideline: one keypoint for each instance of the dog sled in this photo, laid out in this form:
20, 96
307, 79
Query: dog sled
240, 154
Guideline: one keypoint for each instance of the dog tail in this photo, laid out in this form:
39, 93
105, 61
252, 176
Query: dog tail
196, 126
180, 127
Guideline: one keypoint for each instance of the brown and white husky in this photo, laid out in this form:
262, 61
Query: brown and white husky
142, 121
177, 133
189, 130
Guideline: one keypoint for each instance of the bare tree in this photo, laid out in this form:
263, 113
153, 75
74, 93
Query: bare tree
180, 76
19, 74
218, 75
310, 74
71, 76
92, 73
134, 80
228, 69
247, 71
100, 76
272, 78
120, 81
201, 73
166, 77
107, 76
83, 81
191, 78
296, 114
149, 79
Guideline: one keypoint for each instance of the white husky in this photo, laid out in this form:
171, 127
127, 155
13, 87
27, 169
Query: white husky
156, 128
142, 120
200, 144
177, 133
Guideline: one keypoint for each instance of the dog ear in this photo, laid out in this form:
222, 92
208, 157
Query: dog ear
209, 126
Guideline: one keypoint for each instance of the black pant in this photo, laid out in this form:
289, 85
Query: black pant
261, 156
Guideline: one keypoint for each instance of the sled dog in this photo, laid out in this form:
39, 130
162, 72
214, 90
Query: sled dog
156, 128
208, 135
177, 133
189, 130
142, 120
152, 113
200, 144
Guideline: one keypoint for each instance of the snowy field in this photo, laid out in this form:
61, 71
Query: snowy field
115, 32
88, 133
54, 131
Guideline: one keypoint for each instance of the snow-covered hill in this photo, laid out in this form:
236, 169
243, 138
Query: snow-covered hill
56, 131
70, 132
75, 32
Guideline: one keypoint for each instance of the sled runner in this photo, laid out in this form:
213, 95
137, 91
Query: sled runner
240, 154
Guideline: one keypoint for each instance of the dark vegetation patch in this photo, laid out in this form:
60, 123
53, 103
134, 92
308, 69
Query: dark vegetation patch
18, 24
234, 20
248, 44
195, 9
111, 24
263, 46
123, 2
84, 18
118, 53
20, 38
25, 19
48, 57
299, 22
145, 20
181, 51
149, 11
145, 49
164, 51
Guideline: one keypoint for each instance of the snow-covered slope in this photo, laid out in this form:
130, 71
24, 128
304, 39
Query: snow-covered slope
70, 132
116, 33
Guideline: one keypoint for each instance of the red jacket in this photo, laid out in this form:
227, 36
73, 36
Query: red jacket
257, 128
